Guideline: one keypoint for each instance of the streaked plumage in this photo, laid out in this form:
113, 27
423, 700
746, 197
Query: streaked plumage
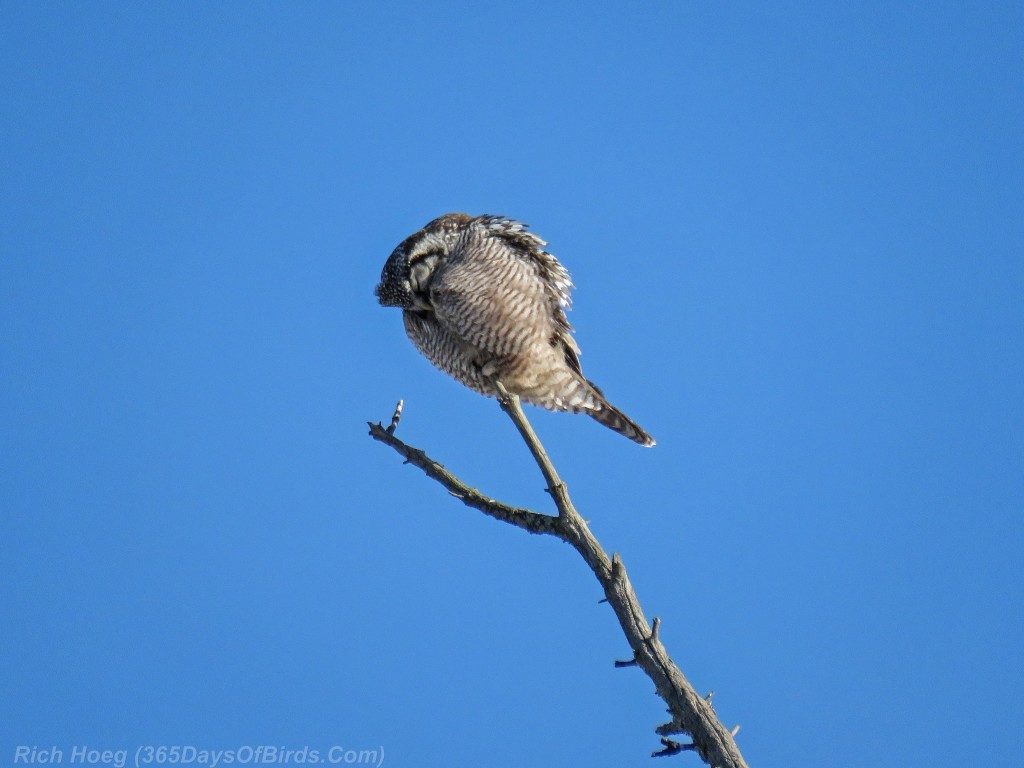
482, 299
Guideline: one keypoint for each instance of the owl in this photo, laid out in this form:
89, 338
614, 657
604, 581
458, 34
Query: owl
482, 300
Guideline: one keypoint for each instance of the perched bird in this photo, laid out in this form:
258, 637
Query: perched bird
483, 300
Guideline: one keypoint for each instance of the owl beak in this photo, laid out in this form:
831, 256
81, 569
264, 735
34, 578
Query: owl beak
418, 302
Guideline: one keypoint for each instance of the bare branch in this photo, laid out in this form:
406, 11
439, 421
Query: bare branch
534, 522
510, 404
692, 714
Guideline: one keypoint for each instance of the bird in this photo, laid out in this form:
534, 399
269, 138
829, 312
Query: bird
484, 301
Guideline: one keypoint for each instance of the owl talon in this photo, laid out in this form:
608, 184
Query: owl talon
504, 396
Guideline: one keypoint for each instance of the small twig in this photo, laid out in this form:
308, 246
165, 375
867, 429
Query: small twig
669, 728
672, 748
396, 417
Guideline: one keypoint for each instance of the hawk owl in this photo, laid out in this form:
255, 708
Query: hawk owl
483, 300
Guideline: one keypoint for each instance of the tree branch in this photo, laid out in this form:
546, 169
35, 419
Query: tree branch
692, 714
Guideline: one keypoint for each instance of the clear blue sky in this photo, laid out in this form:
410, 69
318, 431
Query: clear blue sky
797, 234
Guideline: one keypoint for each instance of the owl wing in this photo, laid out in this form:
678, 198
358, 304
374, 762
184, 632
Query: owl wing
500, 292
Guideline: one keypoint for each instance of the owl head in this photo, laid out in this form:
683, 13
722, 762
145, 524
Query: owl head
405, 279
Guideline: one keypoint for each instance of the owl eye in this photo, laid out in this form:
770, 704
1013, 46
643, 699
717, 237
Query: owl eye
421, 269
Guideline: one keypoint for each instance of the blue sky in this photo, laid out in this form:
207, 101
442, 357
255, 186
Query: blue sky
797, 240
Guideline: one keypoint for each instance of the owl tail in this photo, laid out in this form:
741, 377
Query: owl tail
601, 410
615, 419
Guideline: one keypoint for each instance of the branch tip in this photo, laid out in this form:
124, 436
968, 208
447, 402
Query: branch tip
396, 417
671, 727
672, 748
617, 567
654, 629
